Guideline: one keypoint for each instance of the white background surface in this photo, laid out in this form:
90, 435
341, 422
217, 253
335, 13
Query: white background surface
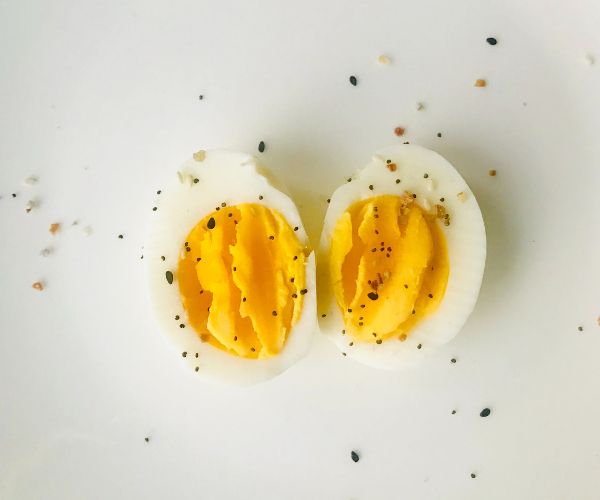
100, 100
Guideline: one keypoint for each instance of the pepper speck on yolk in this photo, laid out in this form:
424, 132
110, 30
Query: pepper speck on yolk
388, 266
240, 276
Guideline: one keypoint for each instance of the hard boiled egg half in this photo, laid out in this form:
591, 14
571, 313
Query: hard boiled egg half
401, 258
231, 276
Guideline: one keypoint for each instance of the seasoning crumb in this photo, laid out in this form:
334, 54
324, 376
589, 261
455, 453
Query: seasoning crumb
480, 82
354, 456
485, 412
461, 196
199, 155
491, 40
492, 173
420, 106
54, 227
383, 59
399, 131
261, 147
353, 80
38, 285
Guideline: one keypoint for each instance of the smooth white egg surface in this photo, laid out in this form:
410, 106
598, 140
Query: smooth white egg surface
230, 273
401, 258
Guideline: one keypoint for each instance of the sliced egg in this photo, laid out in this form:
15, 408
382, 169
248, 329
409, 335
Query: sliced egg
401, 258
231, 276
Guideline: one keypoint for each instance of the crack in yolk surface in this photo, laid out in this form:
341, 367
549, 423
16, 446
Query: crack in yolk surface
241, 279
388, 266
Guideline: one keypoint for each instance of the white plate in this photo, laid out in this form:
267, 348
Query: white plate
100, 101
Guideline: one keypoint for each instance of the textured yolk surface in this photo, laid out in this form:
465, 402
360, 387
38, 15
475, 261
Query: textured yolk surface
241, 279
388, 266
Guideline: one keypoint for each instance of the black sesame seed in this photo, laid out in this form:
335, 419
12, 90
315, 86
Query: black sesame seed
181, 325
353, 80
453, 360
442, 199
419, 346
378, 341
200, 97
223, 204
388, 161
323, 315
271, 237
120, 236
349, 179
252, 349
354, 456
413, 311
217, 208
453, 412
196, 181
328, 200
425, 176
244, 299
374, 250
360, 323
397, 181
176, 317
374, 334
229, 214
580, 328
373, 295
234, 268
235, 338
349, 310
154, 209
351, 344
294, 295
261, 147
343, 332
14, 195
198, 259
211, 223
371, 187
260, 197
414, 195
405, 286
491, 40
147, 439
184, 354
439, 134
159, 191
162, 257
296, 228
430, 295
274, 313
196, 355
473, 475
343, 354
362, 306
169, 276
187, 249
197, 368
303, 291
295, 257
485, 412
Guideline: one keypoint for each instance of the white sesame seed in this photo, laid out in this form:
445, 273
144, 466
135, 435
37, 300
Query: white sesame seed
383, 59
31, 180
461, 196
420, 106
199, 155
30, 205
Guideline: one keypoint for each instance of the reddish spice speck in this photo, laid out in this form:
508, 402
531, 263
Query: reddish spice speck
399, 131
391, 167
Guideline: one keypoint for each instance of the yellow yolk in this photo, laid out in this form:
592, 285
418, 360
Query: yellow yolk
241, 279
388, 266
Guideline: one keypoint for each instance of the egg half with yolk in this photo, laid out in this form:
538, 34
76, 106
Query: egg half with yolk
401, 258
232, 279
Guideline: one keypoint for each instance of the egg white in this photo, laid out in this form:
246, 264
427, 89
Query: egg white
465, 238
233, 178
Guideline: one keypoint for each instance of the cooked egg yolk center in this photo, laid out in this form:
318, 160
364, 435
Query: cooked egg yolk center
241, 278
388, 266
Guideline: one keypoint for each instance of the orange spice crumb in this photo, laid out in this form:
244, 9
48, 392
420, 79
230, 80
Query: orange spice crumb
54, 227
399, 131
38, 285
480, 82
391, 167
492, 173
